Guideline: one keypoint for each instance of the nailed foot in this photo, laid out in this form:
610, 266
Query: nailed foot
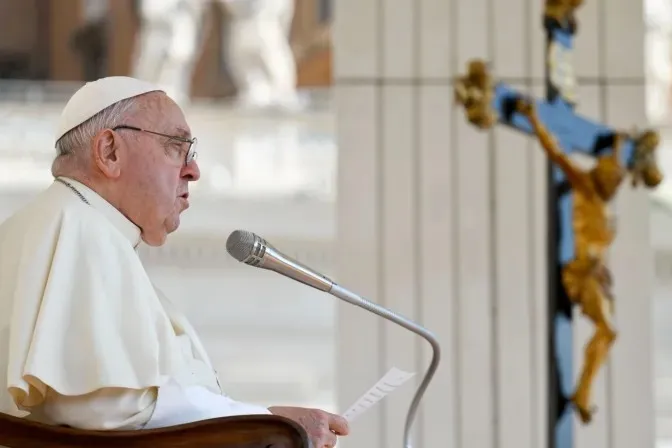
585, 414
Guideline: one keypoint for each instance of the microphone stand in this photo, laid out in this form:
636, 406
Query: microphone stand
352, 298
253, 250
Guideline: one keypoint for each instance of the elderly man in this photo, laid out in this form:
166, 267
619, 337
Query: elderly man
85, 338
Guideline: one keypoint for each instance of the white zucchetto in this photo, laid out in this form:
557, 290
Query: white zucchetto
98, 95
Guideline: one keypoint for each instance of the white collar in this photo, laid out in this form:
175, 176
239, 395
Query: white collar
118, 219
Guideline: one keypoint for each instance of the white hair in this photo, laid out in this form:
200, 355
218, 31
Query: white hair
81, 136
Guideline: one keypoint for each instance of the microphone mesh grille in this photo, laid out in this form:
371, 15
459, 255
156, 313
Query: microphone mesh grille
240, 244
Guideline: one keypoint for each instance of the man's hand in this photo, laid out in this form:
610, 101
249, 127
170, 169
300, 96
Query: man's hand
322, 427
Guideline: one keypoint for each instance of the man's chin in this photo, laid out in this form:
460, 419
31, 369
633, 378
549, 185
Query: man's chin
158, 237
154, 240
172, 224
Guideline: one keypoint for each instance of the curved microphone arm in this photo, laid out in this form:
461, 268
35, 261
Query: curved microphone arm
352, 298
251, 249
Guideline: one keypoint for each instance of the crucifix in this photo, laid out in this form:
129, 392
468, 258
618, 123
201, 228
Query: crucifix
580, 229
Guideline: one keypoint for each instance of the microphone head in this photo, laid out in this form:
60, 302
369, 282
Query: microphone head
245, 246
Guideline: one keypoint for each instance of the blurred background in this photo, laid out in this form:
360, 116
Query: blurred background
256, 82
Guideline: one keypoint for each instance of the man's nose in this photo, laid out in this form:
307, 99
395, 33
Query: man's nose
191, 171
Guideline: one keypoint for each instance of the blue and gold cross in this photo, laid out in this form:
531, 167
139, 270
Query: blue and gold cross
486, 104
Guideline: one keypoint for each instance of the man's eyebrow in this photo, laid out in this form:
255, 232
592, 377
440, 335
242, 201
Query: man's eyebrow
181, 132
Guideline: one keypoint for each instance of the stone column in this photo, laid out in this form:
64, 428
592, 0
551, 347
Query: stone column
447, 225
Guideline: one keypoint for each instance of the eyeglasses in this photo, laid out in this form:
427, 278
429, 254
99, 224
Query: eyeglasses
191, 151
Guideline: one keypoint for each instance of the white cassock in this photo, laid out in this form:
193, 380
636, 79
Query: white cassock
85, 338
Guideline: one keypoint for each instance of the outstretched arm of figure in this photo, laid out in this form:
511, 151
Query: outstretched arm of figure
576, 176
619, 137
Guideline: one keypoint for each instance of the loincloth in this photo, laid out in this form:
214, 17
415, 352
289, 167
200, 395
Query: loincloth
579, 277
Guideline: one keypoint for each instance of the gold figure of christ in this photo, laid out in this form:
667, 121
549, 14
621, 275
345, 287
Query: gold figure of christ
586, 279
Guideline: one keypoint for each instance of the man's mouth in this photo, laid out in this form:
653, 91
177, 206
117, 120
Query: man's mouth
185, 200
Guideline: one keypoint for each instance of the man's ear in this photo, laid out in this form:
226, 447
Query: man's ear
107, 152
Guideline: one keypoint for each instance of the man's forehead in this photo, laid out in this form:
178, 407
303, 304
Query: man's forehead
170, 116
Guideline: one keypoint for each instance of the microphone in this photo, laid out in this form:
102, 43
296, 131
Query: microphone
253, 250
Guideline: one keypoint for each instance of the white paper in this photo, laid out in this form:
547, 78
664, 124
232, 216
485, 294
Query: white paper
393, 379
